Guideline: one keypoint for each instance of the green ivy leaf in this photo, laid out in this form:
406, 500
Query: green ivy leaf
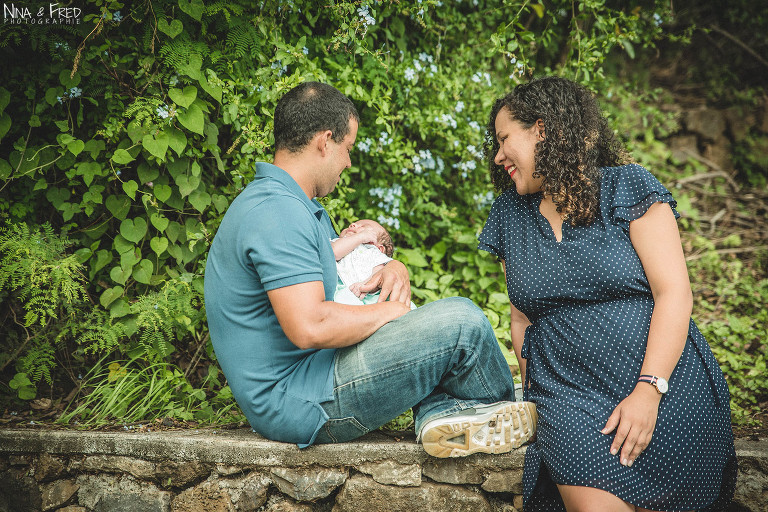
129, 258
157, 146
121, 157
174, 232
187, 184
158, 244
183, 98
220, 202
147, 172
118, 206
142, 273
67, 79
175, 251
57, 196
162, 192
5, 124
192, 119
88, 170
159, 221
68, 210
130, 187
499, 297
200, 200
176, 139
119, 274
122, 245
119, 308
173, 29
94, 147
76, 146
5, 169
110, 295
194, 8
412, 257
133, 230
214, 90
102, 258
192, 68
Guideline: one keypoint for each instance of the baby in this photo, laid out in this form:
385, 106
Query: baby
362, 249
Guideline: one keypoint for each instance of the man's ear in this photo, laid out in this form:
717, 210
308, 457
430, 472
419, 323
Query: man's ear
321, 141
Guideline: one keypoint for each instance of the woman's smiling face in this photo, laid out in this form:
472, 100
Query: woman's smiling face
517, 146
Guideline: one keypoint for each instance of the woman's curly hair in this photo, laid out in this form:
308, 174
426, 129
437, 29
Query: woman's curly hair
577, 142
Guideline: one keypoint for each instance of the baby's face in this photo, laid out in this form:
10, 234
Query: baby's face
362, 224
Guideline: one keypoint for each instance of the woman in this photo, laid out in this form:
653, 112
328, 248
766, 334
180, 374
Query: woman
633, 409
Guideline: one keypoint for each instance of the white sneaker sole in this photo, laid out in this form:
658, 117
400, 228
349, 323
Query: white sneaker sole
508, 427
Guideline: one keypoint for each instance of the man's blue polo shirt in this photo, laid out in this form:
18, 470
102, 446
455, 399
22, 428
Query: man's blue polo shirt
271, 236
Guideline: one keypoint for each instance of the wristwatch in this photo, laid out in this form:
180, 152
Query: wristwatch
659, 383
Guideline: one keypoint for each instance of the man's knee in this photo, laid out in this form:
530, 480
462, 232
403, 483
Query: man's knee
463, 318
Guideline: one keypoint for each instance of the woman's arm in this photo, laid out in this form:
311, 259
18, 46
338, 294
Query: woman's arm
657, 242
519, 322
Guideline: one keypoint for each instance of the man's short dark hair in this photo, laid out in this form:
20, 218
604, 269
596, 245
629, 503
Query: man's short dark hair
310, 108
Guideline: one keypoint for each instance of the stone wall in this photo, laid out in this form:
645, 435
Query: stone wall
236, 470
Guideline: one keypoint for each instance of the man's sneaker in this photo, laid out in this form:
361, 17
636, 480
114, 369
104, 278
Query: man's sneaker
494, 428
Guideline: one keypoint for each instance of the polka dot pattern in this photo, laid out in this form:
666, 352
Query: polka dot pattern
590, 304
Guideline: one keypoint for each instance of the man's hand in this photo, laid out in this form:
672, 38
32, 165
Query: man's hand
393, 281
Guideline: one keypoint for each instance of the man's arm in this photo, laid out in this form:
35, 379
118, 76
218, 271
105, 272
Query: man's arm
310, 321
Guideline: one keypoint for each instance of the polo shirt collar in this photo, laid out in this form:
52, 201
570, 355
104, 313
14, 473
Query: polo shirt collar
266, 170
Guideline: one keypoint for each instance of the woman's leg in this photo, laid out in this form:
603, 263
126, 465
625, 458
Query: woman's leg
589, 499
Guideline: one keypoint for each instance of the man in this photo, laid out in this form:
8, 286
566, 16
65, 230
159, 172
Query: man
305, 369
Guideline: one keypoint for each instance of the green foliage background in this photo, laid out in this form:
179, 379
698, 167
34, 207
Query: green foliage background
125, 138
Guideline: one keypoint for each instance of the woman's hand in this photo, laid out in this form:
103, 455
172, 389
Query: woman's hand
634, 420
393, 281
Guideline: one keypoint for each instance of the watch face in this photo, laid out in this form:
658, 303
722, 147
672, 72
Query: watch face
661, 385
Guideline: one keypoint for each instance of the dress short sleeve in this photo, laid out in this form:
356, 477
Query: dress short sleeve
635, 190
492, 237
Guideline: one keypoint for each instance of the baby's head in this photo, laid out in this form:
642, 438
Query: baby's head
383, 240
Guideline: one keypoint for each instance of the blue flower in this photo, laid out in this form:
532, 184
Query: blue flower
117, 17
365, 16
483, 200
162, 112
410, 74
75, 92
365, 145
459, 106
305, 50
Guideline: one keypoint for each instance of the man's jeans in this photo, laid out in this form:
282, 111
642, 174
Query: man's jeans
438, 359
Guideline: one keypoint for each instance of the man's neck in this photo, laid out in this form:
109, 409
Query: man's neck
296, 166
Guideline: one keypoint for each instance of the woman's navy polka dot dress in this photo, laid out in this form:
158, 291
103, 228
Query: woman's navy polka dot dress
590, 305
